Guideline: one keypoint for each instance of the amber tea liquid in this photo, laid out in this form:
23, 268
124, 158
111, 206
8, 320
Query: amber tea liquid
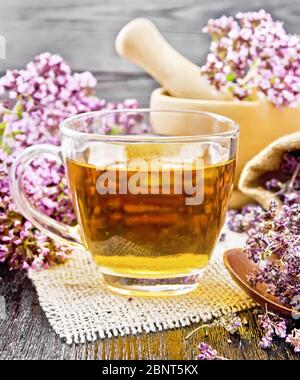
150, 236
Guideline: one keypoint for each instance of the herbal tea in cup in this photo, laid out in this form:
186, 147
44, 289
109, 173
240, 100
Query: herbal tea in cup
149, 207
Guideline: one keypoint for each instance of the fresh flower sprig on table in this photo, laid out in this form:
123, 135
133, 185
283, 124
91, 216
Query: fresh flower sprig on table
230, 322
34, 102
206, 352
252, 56
272, 327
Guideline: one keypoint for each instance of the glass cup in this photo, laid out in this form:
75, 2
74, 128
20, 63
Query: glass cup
150, 190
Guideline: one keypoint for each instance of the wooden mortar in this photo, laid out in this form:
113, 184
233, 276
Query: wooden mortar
260, 123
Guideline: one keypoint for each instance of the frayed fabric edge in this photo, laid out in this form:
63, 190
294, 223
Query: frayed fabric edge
92, 336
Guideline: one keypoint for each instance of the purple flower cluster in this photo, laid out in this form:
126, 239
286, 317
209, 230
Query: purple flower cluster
253, 56
287, 188
294, 339
22, 245
206, 352
276, 327
34, 102
245, 219
272, 326
45, 184
41, 96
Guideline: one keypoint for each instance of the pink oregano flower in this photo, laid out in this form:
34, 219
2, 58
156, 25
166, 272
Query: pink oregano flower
34, 102
253, 57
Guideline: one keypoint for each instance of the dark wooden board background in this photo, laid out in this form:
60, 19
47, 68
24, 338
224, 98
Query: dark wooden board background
83, 32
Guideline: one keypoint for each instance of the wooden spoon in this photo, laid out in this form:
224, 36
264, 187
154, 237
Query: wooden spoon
239, 266
141, 43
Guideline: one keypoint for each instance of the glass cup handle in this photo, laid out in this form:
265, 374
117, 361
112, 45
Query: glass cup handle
52, 228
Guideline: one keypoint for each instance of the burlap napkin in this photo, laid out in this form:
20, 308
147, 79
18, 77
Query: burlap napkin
80, 308
268, 160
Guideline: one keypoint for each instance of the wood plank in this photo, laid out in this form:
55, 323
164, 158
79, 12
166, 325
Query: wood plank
25, 334
125, 85
84, 32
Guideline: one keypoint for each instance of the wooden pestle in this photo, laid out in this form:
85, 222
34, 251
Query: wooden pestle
141, 43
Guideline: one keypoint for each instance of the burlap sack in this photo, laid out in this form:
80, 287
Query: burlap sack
267, 160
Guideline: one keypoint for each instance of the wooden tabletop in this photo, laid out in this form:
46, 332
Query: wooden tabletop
26, 334
83, 33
